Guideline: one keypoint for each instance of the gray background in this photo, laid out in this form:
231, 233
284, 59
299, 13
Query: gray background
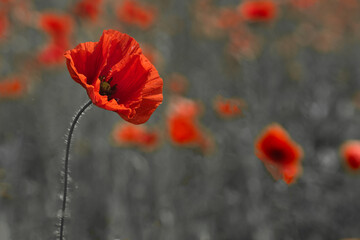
173, 192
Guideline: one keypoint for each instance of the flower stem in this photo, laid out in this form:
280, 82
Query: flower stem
66, 168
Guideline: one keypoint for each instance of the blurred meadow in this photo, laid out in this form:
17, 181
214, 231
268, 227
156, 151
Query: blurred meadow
230, 69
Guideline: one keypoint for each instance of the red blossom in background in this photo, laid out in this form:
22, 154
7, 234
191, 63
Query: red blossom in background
135, 135
4, 24
52, 54
350, 152
12, 88
258, 10
183, 130
280, 154
183, 126
59, 27
117, 76
134, 13
229, 107
88, 9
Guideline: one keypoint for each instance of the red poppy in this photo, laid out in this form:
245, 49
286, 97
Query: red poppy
132, 12
52, 54
4, 24
183, 126
135, 135
229, 107
12, 88
350, 152
180, 106
182, 122
88, 9
258, 10
117, 76
58, 26
183, 130
280, 154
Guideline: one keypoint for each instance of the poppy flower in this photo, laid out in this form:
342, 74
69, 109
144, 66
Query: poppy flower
183, 125
135, 135
12, 88
4, 24
280, 154
350, 152
182, 121
117, 76
58, 26
183, 130
134, 13
52, 54
180, 106
229, 107
88, 9
258, 10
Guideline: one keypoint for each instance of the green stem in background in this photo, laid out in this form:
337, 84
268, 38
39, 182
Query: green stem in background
66, 169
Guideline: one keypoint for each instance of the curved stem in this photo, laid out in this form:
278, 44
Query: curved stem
66, 168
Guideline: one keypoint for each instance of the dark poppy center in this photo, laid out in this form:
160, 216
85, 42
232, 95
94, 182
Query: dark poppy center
105, 88
277, 155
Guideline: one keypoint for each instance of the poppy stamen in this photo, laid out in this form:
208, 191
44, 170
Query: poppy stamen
105, 88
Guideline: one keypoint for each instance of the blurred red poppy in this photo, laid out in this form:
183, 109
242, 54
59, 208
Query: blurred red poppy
258, 10
183, 130
4, 23
52, 54
182, 121
134, 13
350, 152
229, 107
183, 126
58, 26
88, 9
280, 154
135, 135
12, 88
117, 76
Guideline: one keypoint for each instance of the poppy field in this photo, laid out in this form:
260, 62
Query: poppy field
169, 119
